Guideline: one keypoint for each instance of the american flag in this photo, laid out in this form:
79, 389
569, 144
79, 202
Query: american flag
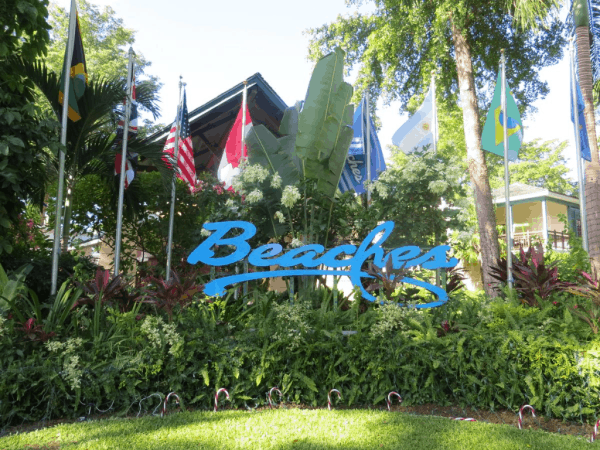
185, 156
133, 129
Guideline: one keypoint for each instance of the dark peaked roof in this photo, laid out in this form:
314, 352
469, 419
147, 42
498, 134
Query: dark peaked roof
522, 192
517, 189
211, 123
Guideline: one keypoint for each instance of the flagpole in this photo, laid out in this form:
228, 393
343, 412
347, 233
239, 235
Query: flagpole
368, 113
434, 104
123, 164
63, 141
173, 185
575, 109
244, 106
506, 178
435, 138
244, 157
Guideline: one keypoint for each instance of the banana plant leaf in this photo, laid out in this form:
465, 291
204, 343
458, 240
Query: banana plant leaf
276, 154
325, 124
315, 138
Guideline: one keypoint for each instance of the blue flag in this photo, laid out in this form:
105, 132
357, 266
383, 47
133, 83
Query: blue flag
354, 173
583, 138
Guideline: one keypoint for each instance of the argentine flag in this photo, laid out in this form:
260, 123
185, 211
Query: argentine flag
417, 131
354, 173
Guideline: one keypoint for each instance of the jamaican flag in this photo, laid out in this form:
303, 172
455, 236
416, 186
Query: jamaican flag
78, 70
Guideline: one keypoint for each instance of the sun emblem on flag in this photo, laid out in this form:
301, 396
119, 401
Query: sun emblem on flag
426, 126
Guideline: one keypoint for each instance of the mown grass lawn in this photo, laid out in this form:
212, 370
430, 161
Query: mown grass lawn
293, 429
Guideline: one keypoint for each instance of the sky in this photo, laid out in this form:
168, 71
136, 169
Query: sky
216, 45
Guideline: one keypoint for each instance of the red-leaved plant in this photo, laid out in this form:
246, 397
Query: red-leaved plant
455, 278
35, 332
447, 327
532, 277
176, 293
109, 290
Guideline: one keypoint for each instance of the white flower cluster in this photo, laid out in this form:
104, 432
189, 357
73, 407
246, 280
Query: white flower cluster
255, 174
69, 346
290, 196
280, 217
150, 328
296, 243
160, 333
237, 183
391, 317
173, 339
53, 346
204, 232
293, 323
230, 203
71, 370
276, 181
255, 196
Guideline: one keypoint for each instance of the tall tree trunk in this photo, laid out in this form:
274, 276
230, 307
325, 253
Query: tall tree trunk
592, 171
486, 219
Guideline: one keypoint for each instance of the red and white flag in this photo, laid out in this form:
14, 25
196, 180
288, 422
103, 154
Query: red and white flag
129, 172
185, 156
233, 153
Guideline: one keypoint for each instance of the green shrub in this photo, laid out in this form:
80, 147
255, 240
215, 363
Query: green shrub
472, 351
40, 278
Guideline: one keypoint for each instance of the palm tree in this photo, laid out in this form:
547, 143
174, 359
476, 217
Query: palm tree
91, 141
584, 19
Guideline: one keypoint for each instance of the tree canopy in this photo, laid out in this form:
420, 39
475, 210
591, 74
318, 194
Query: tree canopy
396, 48
540, 164
422, 193
106, 41
404, 41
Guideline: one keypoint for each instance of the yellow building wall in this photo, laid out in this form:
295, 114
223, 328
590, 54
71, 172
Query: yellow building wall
530, 213
554, 209
106, 258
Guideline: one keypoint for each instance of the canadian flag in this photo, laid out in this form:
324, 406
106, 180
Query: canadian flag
233, 153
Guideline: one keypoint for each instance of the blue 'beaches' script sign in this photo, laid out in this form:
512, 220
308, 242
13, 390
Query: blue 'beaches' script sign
305, 260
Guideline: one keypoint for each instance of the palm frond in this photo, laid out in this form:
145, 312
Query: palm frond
146, 93
91, 141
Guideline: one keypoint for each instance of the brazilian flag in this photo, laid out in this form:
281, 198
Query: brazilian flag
78, 71
492, 138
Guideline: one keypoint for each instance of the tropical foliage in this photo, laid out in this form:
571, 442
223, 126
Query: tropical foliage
59, 356
91, 141
27, 138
